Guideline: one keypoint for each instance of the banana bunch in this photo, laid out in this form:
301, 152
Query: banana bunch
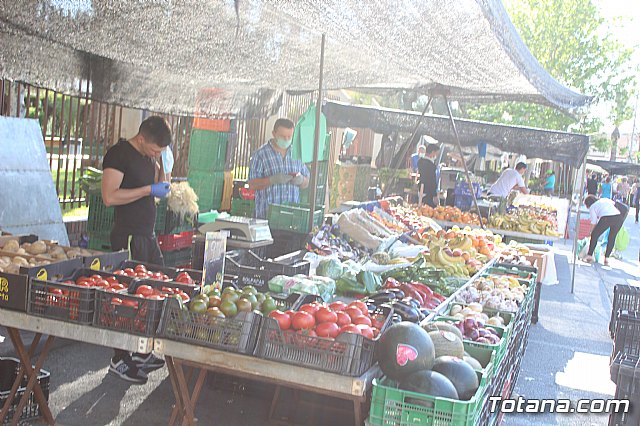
452, 265
462, 242
523, 223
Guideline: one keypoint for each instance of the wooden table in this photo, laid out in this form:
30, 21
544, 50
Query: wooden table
16, 321
201, 360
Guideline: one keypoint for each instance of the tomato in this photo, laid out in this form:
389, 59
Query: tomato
140, 268
156, 297
116, 301
184, 296
145, 290
362, 320
353, 312
303, 321
307, 333
166, 278
338, 306
102, 283
343, 319
57, 291
351, 328
83, 280
116, 287
129, 271
184, 277
112, 280
130, 303
360, 305
119, 272
328, 329
284, 320
84, 283
69, 282
325, 314
310, 308
96, 277
365, 330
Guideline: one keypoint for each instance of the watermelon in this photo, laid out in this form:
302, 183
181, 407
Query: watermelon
460, 373
430, 383
403, 349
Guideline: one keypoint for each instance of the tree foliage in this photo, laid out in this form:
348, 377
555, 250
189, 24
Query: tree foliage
569, 39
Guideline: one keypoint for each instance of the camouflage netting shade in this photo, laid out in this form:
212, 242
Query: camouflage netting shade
169, 55
617, 167
569, 148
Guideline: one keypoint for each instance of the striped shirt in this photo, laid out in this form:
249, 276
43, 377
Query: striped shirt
265, 162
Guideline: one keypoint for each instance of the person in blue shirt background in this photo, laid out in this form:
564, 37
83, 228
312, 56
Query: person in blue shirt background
606, 190
421, 152
550, 184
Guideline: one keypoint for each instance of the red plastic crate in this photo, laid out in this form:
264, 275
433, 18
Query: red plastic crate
175, 241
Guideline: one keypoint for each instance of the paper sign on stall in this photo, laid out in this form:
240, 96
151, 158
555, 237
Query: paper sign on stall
214, 251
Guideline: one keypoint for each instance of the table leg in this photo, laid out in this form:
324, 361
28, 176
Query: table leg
32, 374
357, 413
178, 408
189, 415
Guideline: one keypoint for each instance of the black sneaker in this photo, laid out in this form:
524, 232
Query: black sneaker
147, 362
127, 370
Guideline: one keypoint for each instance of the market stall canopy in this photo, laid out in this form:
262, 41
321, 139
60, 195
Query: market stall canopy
569, 148
617, 167
169, 56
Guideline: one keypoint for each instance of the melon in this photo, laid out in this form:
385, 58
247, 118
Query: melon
473, 362
403, 349
447, 344
442, 326
460, 373
430, 383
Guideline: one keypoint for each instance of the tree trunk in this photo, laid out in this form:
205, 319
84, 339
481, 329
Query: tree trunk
614, 149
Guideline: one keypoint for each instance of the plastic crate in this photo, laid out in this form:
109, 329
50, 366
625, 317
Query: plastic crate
245, 208
507, 317
100, 241
9, 370
127, 313
321, 195
168, 222
462, 188
397, 407
349, 354
63, 302
173, 242
625, 372
285, 242
238, 334
625, 297
292, 217
178, 258
627, 335
100, 217
251, 269
207, 150
208, 186
215, 125
463, 202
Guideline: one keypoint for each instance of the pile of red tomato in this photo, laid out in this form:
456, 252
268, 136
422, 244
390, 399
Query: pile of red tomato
140, 271
105, 282
330, 321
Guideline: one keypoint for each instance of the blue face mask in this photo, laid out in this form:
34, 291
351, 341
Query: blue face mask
283, 143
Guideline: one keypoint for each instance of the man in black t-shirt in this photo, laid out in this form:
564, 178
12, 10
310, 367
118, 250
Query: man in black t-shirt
428, 181
131, 180
592, 185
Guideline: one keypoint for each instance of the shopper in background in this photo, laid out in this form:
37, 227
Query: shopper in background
550, 183
428, 179
623, 191
510, 180
635, 197
592, 185
606, 188
605, 214
273, 174
132, 179
415, 158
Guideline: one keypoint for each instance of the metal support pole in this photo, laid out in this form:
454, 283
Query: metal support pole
577, 228
464, 163
394, 170
313, 187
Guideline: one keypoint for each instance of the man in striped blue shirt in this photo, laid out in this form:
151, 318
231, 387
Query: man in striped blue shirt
273, 174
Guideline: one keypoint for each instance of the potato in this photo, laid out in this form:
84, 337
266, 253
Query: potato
20, 261
39, 247
73, 253
11, 246
25, 246
12, 269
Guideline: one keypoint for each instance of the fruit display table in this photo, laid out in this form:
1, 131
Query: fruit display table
512, 234
179, 355
16, 321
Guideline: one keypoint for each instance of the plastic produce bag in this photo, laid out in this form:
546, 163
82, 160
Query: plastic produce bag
622, 239
315, 285
331, 268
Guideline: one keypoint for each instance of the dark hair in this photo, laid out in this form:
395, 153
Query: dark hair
521, 166
283, 122
608, 179
594, 176
590, 200
432, 147
155, 129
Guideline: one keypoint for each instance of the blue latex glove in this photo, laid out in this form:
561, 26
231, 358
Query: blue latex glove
160, 189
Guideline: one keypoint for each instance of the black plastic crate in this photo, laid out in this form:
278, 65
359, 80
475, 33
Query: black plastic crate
127, 313
252, 270
9, 370
625, 372
65, 302
178, 258
285, 242
349, 354
238, 334
627, 336
625, 298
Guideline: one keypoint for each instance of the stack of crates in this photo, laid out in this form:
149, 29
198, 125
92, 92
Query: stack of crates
99, 223
321, 184
210, 154
625, 358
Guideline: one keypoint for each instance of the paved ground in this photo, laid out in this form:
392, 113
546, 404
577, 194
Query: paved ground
567, 357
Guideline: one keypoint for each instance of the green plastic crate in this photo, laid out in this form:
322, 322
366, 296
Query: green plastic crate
391, 406
100, 241
240, 207
207, 150
208, 186
321, 193
293, 217
177, 258
100, 218
323, 171
168, 222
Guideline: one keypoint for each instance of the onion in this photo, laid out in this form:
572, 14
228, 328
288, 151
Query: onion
484, 340
470, 324
474, 335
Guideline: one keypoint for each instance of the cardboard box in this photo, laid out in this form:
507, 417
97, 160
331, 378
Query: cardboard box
14, 288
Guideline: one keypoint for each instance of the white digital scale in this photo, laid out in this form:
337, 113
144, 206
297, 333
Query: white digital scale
244, 232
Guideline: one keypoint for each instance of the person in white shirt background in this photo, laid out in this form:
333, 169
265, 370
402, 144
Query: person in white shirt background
605, 214
510, 180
